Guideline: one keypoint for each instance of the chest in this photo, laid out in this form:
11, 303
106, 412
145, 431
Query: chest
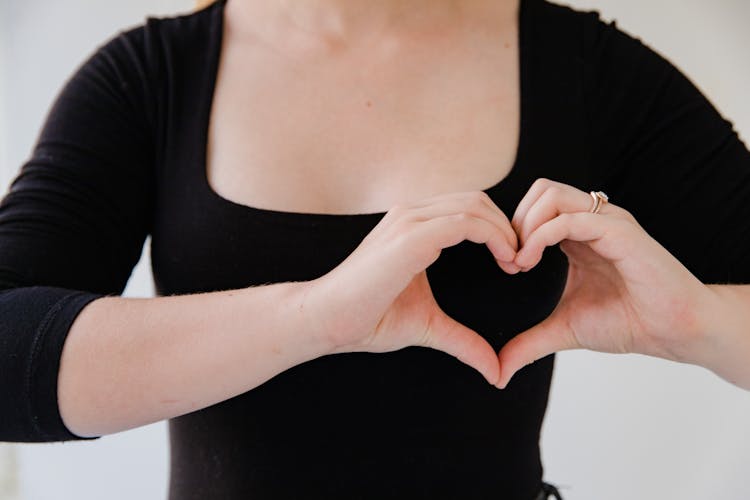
360, 133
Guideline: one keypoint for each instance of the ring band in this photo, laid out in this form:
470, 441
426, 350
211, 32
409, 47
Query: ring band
600, 198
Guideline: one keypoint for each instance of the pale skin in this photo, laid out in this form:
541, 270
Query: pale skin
379, 134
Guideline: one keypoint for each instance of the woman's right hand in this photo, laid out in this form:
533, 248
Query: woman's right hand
379, 299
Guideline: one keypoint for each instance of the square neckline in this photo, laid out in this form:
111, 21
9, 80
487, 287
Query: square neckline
215, 46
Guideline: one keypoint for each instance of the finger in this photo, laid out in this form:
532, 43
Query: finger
578, 226
477, 203
554, 201
559, 199
509, 267
549, 336
535, 191
413, 246
448, 335
448, 230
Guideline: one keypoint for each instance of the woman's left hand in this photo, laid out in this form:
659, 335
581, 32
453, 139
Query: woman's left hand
625, 293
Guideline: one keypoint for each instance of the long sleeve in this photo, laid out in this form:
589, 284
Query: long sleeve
72, 225
662, 151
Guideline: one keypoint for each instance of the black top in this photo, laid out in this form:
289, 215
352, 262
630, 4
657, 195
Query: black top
121, 156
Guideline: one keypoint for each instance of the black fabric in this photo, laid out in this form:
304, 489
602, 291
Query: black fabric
121, 156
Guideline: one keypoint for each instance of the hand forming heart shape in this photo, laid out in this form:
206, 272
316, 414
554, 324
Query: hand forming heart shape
625, 293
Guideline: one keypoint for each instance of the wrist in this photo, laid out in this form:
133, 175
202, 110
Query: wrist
699, 336
720, 333
308, 311
327, 315
298, 335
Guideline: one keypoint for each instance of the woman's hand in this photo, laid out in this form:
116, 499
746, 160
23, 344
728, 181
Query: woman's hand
379, 299
625, 293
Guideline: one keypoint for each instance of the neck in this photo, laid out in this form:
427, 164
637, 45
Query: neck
337, 24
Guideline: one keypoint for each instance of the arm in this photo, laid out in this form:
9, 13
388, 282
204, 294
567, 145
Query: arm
674, 167
724, 333
73, 223
132, 361
128, 362
682, 170
76, 359
625, 293
77, 363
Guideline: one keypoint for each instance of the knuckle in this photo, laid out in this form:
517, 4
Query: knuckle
546, 197
486, 197
462, 217
478, 201
566, 217
628, 216
554, 192
541, 183
397, 209
626, 225
619, 228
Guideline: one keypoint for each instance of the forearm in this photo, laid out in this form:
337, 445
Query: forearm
725, 334
128, 362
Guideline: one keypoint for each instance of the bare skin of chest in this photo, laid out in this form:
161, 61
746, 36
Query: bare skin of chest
359, 131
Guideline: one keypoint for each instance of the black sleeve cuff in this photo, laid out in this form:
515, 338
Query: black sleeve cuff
35, 323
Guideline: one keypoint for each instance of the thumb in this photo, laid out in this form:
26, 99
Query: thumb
544, 338
448, 335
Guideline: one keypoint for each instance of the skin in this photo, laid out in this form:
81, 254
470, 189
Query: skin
129, 362
340, 138
611, 303
625, 292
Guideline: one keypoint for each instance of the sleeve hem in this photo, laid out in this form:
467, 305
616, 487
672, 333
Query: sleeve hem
42, 375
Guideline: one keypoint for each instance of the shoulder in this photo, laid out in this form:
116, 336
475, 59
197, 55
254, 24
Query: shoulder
585, 52
140, 67
160, 39
587, 32
619, 75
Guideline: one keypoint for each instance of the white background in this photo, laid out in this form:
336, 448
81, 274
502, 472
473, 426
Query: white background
617, 427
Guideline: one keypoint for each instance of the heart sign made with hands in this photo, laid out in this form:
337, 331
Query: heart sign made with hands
624, 292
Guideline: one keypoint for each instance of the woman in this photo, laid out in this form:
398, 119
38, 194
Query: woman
314, 179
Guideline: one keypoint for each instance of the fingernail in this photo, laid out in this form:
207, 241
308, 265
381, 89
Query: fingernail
512, 267
519, 265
